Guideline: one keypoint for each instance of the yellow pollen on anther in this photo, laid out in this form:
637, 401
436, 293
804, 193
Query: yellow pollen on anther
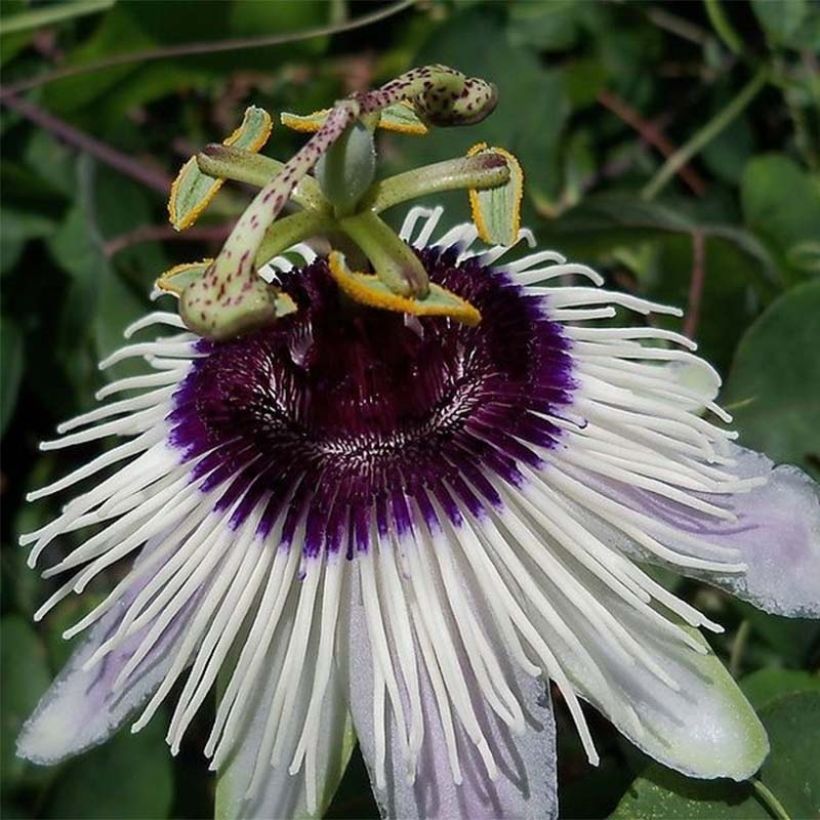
514, 190
200, 189
368, 289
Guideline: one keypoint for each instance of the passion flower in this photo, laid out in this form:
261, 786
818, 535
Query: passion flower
407, 512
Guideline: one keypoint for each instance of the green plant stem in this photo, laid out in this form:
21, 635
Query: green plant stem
720, 23
394, 262
770, 801
287, 232
52, 14
739, 647
227, 162
705, 135
676, 25
449, 175
189, 49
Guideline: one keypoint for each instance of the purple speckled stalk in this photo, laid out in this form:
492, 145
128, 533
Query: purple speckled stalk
340, 415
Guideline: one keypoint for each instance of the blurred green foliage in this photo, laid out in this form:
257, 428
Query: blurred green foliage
595, 98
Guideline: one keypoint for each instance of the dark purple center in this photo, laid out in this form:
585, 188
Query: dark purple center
339, 416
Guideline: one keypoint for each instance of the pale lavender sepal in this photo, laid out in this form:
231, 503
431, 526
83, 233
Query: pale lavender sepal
80, 708
526, 786
777, 533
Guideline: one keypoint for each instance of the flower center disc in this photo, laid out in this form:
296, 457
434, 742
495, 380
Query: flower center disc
338, 411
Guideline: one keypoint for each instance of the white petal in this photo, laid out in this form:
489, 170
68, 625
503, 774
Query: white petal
620, 648
249, 785
525, 781
283, 794
700, 725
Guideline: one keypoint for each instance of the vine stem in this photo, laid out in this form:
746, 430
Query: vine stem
739, 647
190, 49
651, 133
705, 135
147, 176
48, 15
154, 233
771, 802
720, 22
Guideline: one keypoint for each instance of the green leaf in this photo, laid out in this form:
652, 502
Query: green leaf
727, 155
131, 776
774, 385
605, 220
583, 79
79, 256
767, 685
102, 96
662, 794
781, 205
120, 306
781, 20
11, 369
616, 211
19, 227
24, 676
250, 19
116, 33
54, 168
805, 256
102, 301
734, 292
549, 26
656, 242
791, 640
790, 773
113, 112
117, 207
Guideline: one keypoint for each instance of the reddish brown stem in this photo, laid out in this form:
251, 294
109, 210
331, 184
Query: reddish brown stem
159, 233
690, 323
652, 134
149, 177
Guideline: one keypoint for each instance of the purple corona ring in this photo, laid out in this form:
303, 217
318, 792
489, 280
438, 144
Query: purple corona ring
404, 527
335, 417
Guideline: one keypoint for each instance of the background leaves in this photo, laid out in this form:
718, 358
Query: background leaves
772, 400
792, 722
596, 99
